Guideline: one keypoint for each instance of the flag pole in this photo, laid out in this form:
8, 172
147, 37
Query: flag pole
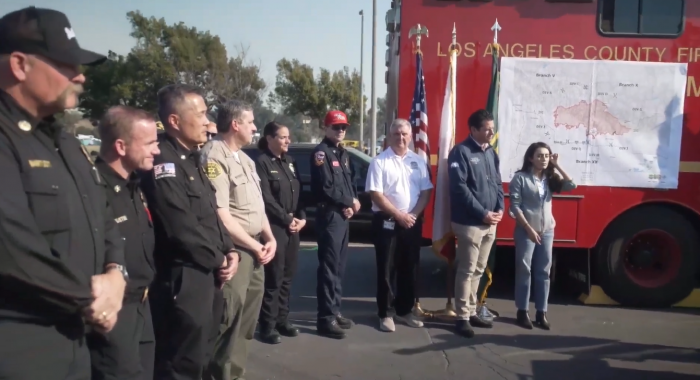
492, 106
418, 31
449, 313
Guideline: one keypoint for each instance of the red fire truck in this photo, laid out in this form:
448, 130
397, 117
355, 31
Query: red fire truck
640, 246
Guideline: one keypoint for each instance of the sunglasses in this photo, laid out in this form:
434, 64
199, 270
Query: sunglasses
339, 127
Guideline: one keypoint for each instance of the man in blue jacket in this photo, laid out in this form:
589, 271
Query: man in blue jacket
476, 194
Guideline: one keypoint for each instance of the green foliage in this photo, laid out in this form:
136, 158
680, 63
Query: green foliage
166, 54
298, 91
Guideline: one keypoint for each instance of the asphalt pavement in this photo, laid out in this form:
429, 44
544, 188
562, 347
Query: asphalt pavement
585, 342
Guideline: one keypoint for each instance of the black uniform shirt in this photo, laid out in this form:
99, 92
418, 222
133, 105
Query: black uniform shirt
331, 176
134, 221
183, 206
56, 227
279, 183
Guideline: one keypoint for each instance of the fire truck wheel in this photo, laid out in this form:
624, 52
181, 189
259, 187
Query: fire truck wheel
648, 257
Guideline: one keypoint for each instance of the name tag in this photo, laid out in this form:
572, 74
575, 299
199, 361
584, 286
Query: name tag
389, 225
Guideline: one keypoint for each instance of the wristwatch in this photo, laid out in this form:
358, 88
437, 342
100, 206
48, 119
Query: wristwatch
120, 268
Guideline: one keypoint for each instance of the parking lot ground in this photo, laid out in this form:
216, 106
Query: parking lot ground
592, 343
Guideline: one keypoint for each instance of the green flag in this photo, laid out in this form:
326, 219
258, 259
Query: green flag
492, 107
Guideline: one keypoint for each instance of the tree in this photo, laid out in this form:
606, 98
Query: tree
298, 91
381, 111
166, 54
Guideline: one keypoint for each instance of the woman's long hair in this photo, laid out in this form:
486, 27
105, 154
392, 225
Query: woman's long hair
270, 129
554, 181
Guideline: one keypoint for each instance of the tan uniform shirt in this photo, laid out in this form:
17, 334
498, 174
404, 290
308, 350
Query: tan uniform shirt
237, 184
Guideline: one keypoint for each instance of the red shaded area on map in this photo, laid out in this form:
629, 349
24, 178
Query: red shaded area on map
602, 122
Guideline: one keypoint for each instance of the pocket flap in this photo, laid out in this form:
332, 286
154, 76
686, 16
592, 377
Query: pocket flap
39, 184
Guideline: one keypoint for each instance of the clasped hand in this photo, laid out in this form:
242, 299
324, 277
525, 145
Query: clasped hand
229, 268
265, 253
108, 294
350, 211
405, 219
493, 218
297, 225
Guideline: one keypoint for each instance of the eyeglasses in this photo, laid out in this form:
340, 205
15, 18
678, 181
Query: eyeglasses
339, 127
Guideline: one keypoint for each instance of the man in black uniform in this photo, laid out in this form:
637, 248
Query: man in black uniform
129, 143
331, 184
61, 258
194, 254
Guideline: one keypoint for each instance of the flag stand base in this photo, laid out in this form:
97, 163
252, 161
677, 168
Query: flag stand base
448, 313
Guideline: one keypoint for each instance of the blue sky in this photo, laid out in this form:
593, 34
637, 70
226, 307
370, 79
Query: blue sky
321, 33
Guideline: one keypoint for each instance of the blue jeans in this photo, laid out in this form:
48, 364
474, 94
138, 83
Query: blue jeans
532, 260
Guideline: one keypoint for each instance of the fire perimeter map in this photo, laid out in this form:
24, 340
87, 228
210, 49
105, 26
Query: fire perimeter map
613, 123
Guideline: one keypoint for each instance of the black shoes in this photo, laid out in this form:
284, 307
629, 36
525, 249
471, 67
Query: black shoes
287, 329
330, 329
269, 335
523, 320
475, 321
463, 328
541, 320
344, 323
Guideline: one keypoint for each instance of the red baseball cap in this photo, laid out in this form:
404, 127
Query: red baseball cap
335, 117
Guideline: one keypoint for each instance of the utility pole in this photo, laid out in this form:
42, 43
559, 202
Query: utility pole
362, 93
373, 143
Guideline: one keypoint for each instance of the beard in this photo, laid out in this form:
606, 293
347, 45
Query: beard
69, 98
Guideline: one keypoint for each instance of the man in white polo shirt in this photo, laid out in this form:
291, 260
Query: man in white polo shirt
400, 187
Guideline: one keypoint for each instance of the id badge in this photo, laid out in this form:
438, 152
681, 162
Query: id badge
389, 224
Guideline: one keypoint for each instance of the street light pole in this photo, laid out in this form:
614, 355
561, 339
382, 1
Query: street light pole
362, 93
373, 143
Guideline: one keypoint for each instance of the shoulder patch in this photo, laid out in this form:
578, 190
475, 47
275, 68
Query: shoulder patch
213, 169
319, 157
164, 170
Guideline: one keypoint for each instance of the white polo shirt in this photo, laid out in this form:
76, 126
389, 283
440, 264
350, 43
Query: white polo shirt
400, 179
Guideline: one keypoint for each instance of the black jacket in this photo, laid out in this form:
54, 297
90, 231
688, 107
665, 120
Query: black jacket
279, 182
183, 206
134, 221
331, 175
57, 228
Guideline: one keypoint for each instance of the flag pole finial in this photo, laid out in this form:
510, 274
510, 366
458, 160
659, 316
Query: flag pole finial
418, 31
495, 28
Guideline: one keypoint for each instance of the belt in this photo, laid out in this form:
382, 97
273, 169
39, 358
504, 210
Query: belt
329, 206
140, 295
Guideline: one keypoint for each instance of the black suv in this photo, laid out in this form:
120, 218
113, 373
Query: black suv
360, 224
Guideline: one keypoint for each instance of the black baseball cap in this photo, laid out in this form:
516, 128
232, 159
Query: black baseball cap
44, 32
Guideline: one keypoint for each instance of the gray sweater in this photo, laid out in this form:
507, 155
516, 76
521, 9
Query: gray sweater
525, 199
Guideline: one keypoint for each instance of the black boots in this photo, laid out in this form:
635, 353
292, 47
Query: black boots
541, 320
269, 335
287, 329
330, 329
523, 320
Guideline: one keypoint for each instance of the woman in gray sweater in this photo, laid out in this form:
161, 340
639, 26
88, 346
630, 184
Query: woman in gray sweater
531, 190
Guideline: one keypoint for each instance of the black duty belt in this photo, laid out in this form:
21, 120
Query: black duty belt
329, 207
139, 295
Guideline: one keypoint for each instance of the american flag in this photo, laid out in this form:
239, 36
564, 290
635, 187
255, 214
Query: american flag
419, 113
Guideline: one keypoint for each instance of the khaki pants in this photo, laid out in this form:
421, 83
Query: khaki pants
242, 299
473, 248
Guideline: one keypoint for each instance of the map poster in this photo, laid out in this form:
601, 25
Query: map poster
613, 123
